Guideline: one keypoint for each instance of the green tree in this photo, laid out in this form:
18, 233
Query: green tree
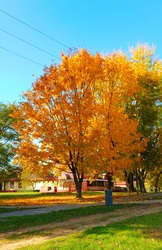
146, 108
8, 138
155, 175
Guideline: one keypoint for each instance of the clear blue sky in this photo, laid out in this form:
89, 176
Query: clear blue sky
97, 25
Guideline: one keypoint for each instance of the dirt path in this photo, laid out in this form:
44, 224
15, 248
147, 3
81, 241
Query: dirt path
53, 230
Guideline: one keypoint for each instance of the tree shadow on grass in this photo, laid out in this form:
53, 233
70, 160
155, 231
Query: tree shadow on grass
149, 226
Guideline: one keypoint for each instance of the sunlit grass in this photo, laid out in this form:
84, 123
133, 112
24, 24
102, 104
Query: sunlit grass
140, 233
49, 232
14, 223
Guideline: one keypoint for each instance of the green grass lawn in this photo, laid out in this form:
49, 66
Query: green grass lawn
140, 233
8, 209
27, 194
13, 223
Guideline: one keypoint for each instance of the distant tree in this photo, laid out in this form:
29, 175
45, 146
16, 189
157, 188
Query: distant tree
155, 175
146, 108
28, 179
8, 138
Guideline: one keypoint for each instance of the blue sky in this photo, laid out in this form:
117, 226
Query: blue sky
97, 25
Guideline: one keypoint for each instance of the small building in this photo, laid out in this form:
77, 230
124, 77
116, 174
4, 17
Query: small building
62, 183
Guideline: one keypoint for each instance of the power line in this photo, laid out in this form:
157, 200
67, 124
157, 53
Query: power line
22, 56
28, 43
34, 29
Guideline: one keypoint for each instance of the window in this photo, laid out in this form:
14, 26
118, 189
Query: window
19, 185
12, 184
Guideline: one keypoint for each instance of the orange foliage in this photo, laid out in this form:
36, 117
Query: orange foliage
120, 139
51, 199
74, 116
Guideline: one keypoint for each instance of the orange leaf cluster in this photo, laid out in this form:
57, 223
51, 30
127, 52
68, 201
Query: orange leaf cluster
74, 116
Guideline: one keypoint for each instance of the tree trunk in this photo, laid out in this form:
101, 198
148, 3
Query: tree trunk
140, 179
78, 179
157, 181
131, 184
137, 182
143, 185
129, 181
79, 189
4, 185
109, 181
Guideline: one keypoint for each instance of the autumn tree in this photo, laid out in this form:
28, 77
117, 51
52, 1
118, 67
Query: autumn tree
74, 117
56, 118
120, 141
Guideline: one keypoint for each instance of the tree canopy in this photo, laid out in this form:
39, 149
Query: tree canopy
74, 117
147, 108
8, 138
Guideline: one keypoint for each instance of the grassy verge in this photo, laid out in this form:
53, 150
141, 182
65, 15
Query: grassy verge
34, 195
141, 233
154, 198
5, 210
13, 223
28, 194
8, 209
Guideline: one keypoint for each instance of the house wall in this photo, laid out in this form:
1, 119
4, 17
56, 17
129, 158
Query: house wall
59, 185
62, 185
14, 185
